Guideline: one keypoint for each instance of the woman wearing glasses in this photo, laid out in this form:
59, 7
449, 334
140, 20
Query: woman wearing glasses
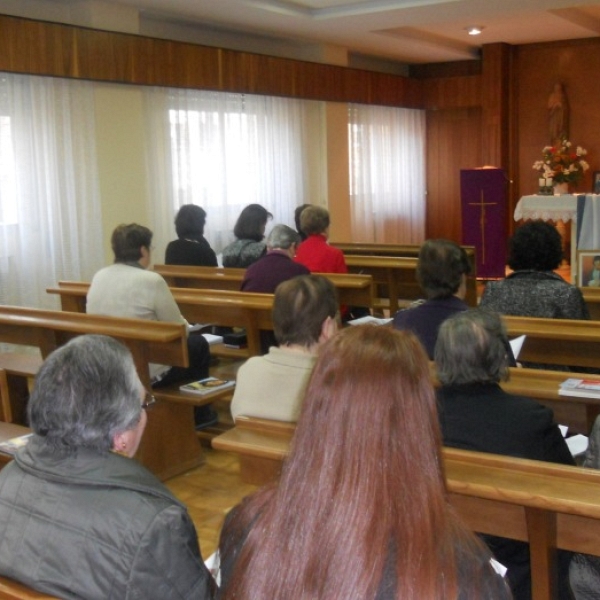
78, 517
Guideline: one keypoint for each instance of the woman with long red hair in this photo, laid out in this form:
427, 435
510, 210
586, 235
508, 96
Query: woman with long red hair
360, 510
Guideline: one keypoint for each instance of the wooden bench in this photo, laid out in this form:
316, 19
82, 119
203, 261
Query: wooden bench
575, 411
565, 342
169, 446
353, 289
219, 307
407, 250
395, 278
591, 295
550, 506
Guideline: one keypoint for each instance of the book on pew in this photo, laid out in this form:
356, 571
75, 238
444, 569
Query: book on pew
585, 388
207, 385
12, 445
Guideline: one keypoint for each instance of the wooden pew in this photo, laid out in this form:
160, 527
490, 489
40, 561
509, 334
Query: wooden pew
557, 341
170, 445
407, 250
550, 506
220, 307
591, 295
353, 289
575, 411
396, 280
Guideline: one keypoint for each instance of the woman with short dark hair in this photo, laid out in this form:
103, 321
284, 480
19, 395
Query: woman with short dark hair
533, 289
249, 231
79, 518
356, 514
191, 247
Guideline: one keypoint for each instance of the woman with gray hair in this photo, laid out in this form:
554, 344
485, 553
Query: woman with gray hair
477, 414
78, 517
277, 265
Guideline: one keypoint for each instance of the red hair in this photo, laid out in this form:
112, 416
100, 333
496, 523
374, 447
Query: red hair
362, 492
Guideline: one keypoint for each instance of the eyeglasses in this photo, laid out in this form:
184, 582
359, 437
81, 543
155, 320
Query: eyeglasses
149, 400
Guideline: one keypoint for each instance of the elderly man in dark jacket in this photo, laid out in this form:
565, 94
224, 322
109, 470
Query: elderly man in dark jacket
79, 518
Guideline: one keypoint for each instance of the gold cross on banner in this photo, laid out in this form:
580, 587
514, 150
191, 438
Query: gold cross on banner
482, 204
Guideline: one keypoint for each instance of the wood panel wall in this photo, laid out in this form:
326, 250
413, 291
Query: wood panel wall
453, 143
42, 48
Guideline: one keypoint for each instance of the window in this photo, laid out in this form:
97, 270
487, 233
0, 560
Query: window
224, 151
387, 174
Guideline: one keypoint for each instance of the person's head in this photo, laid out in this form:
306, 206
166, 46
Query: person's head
297, 214
251, 223
190, 221
472, 348
351, 492
131, 243
282, 237
314, 220
88, 394
442, 267
535, 246
597, 262
304, 311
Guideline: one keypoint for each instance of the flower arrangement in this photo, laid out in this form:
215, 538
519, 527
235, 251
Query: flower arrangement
561, 163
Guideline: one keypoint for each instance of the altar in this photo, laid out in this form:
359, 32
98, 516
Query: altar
583, 210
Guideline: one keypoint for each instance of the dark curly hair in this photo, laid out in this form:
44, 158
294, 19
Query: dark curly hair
535, 246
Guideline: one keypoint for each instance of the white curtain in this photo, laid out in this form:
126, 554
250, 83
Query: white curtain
222, 151
387, 174
50, 217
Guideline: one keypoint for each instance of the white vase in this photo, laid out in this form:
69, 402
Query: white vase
561, 188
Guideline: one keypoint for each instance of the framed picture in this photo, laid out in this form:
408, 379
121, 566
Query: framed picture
588, 268
596, 183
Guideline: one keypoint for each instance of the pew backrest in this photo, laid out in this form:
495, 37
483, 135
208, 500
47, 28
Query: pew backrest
230, 308
148, 341
565, 342
353, 289
591, 295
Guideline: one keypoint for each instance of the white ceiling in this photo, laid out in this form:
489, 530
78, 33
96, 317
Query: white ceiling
394, 32
409, 31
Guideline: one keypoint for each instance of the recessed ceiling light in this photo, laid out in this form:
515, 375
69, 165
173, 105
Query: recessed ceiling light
474, 29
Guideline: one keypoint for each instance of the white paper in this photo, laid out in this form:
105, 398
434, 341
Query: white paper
516, 344
498, 567
577, 444
213, 339
564, 430
370, 319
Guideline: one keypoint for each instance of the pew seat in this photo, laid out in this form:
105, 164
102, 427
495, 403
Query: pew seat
566, 342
